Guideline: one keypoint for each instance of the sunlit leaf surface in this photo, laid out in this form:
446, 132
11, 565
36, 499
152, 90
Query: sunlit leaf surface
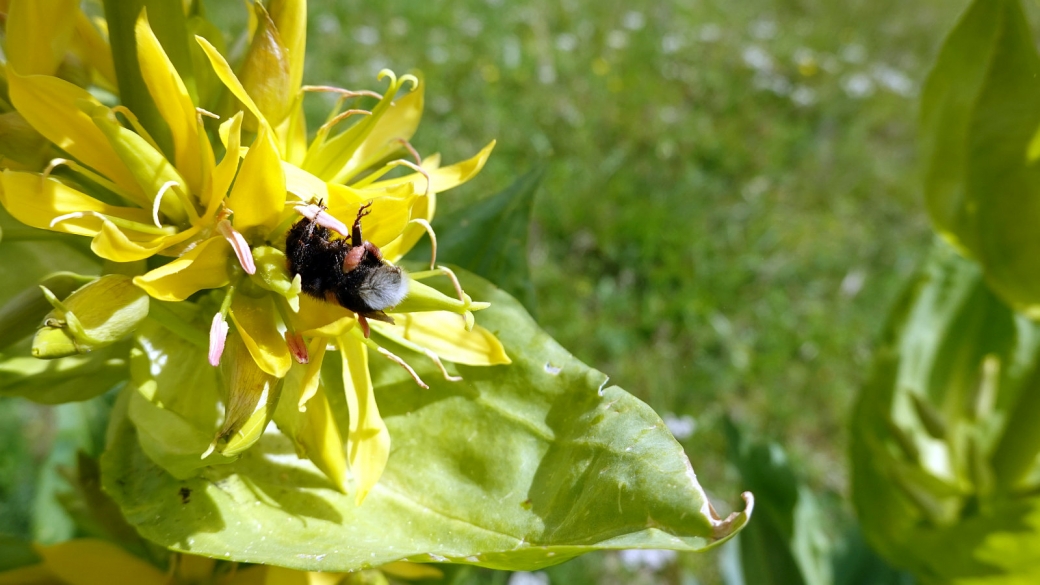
518, 466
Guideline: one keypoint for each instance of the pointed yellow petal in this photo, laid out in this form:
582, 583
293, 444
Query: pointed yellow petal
368, 441
313, 431
224, 174
38, 34
320, 319
443, 178
445, 334
422, 208
389, 213
36, 201
254, 318
51, 106
89, 561
227, 76
171, 97
304, 185
398, 123
112, 244
202, 267
258, 196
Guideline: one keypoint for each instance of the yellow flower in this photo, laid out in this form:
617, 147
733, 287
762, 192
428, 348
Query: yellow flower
224, 225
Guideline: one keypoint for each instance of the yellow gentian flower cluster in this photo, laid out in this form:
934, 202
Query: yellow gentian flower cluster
223, 224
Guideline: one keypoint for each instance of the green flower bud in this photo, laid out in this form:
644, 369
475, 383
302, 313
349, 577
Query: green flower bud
21, 315
266, 71
96, 315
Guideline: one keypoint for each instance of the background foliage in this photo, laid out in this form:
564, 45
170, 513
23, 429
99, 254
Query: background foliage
730, 204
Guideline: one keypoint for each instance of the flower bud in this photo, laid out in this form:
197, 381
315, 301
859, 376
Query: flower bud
266, 71
96, 315
20, 316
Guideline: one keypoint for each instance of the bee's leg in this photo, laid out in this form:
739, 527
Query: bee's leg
373, 250
364, 325
355, 233
353, 258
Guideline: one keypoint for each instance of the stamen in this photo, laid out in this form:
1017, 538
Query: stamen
137, 126
74, 215
318, 215
207, 113
365, 328
433, 239
454, 281
78, 168
239, 245
297, 347
404, 365
118, 221
158, 201
339, 118
346, 93
416, 168
218, 332
411, 149
55, 163
437, 360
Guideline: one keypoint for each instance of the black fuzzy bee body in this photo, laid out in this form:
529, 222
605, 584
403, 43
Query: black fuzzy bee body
348, 272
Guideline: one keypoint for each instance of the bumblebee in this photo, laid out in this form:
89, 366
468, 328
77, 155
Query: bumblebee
349, 272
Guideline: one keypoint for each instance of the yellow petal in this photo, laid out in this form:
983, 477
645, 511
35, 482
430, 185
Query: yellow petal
224, 174
320, 319
228, 78
202, 267
258, 196
443, 178
172, 99
411, 571
389, 213
118, 245
254, 318
89, 561
398, 123
313, 431
29, 575
303, 184
35, 201
38, 34
50, 105
422, 208
368, 441
445, 334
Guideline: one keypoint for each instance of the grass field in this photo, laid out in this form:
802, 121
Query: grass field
731, 203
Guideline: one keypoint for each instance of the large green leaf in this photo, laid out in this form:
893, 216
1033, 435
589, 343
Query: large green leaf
516, 467
944, 447
980, 110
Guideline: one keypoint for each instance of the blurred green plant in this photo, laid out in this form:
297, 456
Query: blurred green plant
509, 466
945, 442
